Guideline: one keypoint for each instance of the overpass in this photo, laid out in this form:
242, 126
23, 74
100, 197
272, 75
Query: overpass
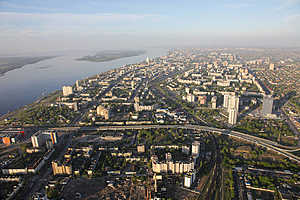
270, 145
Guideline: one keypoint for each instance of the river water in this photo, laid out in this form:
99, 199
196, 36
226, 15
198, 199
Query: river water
25, 85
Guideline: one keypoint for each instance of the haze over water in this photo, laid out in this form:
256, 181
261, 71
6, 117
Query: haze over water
25, 85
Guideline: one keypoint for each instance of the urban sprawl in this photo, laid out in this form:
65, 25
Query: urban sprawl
193, 124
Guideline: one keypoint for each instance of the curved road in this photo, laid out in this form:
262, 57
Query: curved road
270, 145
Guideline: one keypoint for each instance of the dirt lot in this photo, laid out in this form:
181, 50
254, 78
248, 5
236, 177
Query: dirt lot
88, 188
181, 194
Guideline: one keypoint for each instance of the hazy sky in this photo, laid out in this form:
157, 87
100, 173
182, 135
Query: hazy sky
51, 25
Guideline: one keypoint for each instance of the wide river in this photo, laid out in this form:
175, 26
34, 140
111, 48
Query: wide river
25, 85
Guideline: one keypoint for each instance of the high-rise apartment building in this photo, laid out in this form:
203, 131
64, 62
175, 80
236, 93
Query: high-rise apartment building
233, 103
267, 106
214, 102
196, 148
40, 138
189, 178
232, 119
226, 101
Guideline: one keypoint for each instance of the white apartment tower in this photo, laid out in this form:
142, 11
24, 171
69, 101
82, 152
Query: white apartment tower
226, 101
77, 84
147, 60
196, 148
233, 103
187, 90
267, 106
189, 178
214, 102
37, 140
232, 119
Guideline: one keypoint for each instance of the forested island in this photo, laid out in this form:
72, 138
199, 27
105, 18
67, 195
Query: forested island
104, 56
11, 63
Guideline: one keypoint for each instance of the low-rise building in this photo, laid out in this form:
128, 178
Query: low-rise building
103, 112
67, 90
140, 108
61, 168
141, 148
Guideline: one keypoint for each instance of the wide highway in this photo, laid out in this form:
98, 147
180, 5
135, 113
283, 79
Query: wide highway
270, 145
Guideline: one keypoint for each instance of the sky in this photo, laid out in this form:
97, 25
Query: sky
63, 25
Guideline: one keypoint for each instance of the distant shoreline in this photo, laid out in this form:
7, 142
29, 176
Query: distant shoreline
38, 101
22, 61
111, 55
11, 111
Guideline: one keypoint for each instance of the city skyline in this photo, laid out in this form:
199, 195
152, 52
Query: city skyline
96, 25
149, 100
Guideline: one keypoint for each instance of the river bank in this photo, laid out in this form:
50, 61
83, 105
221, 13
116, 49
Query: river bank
25, 85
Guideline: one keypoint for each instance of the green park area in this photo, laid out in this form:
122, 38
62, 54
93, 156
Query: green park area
272, 129
162, 137
43, 115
